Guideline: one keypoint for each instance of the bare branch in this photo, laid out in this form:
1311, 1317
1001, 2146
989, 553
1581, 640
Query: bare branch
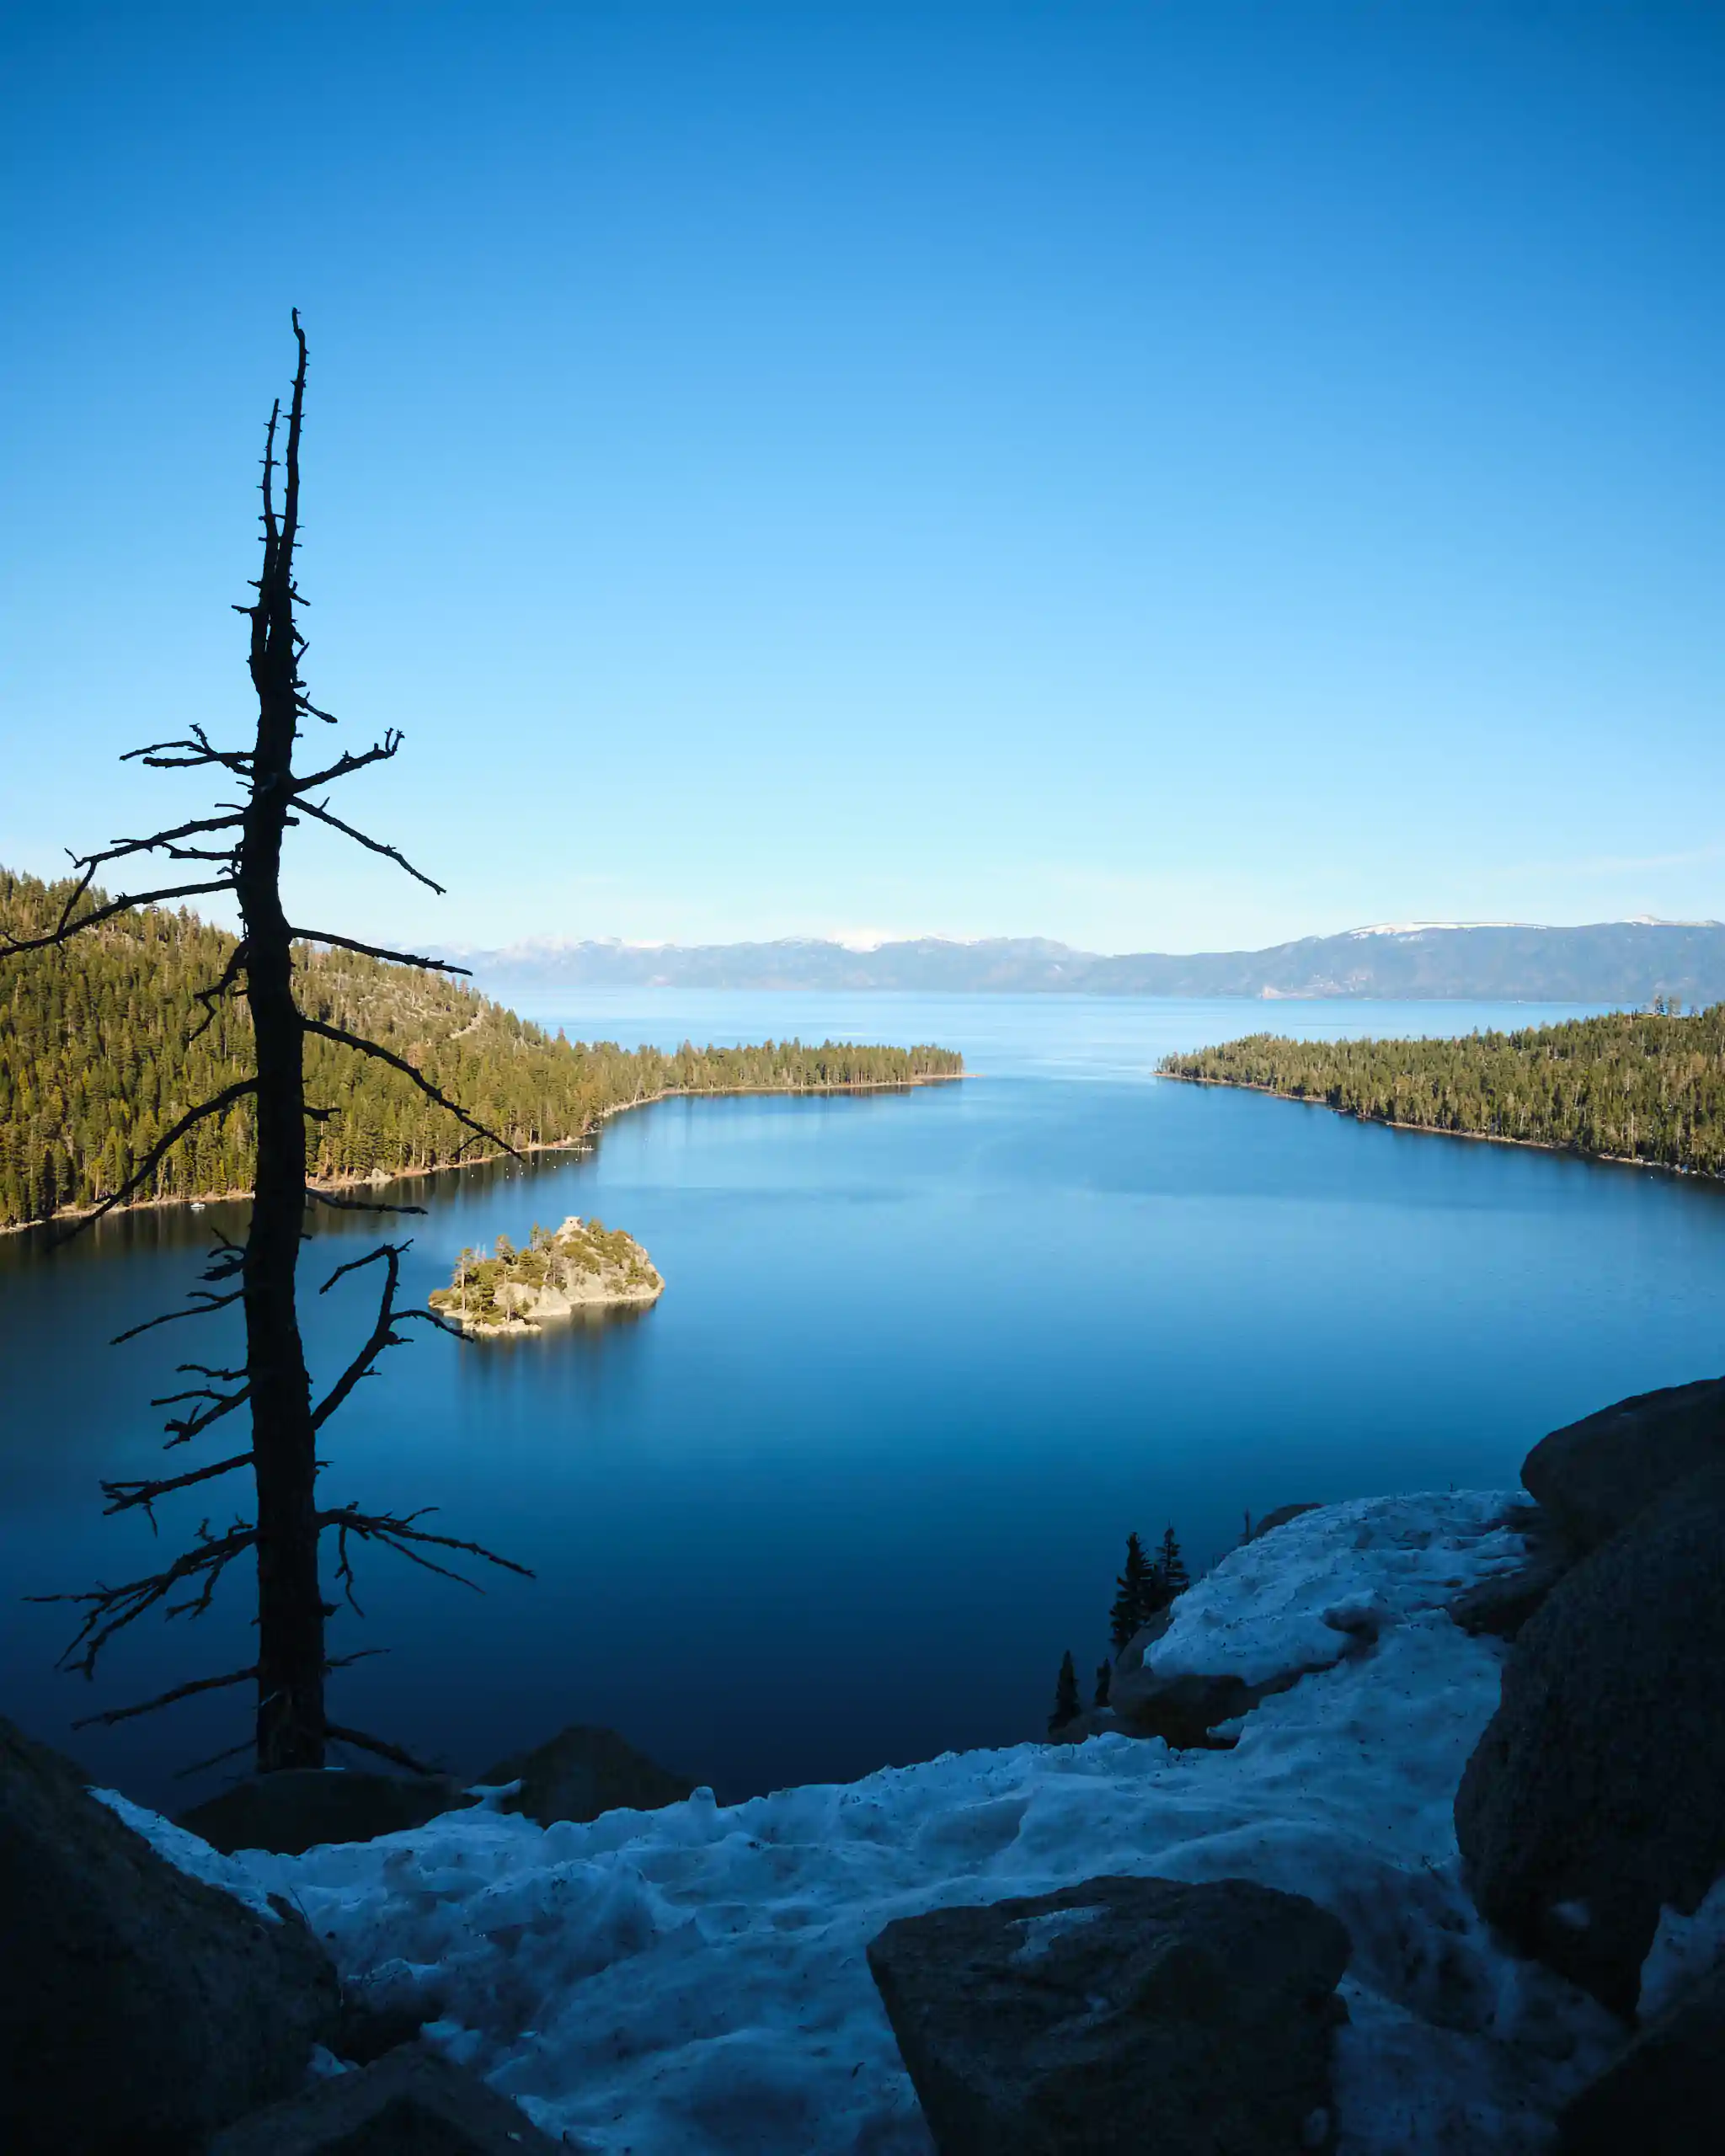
377, 845
217, 1104
382, 1334
400, 1063
121, 848
110, 1609
341, 1204
210, 996
374, 951
398, 1532
168, 1699
126, 1495
194, 753
234, 1751
377, 1744
344, 766
207, 1306
67, 928
431, 1318
184, 1429
215, 1759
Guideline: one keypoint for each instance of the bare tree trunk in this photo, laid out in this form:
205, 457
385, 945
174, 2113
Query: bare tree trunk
291, 1727
290, 1658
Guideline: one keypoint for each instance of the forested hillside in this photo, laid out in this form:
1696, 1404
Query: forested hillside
96, 1061
1645, 1086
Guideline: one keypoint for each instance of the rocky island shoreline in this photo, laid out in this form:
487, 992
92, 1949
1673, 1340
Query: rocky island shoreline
584, 1265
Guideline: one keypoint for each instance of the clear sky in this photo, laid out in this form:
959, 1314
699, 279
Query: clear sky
1160, 476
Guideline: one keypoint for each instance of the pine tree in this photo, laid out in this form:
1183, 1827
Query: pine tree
1137, 1595
1065, 1693
1105, 1679
1171, 1568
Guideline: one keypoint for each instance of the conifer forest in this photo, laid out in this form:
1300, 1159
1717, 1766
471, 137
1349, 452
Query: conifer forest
104, 1045
1648, 1087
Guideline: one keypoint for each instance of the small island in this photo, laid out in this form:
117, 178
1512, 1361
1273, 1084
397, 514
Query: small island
584, 1266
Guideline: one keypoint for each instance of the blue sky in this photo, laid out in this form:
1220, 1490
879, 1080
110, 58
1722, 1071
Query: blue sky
1158, 475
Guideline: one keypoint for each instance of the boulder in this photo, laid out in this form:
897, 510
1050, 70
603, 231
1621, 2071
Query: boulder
1593, 1476
411, 2103
1088, 1722
304, 1807
1131, 1656
364, 2032
1665, 2093
140, 2009
1119, 2014
1597, 1792
582, 1772
1502, 1604
1280, 1517
1182, 1710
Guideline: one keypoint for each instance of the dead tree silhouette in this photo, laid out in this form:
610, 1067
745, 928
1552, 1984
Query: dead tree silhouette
243, 843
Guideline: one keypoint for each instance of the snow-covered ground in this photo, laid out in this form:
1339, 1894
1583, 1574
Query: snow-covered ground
691, 1982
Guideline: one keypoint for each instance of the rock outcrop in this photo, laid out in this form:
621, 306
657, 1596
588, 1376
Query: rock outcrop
1502, 1604
1666, 2093
1597, 1792
1183, 1711
411, 2103
1592, 1477
582, 1772
1279, 1516
584, 1265
1117, 2015
140, 2009
301, 1808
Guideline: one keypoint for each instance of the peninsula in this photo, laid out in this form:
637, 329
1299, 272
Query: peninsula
584, 1266
1646, 1087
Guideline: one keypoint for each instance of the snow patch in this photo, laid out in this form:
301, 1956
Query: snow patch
190, 1853
1307, 1592
691, 1982
1683, 1949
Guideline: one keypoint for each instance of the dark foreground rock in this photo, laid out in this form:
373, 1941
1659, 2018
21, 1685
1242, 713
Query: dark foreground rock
582, 1772
1592, 1477
1118, 2015
1597, 1792
1503, 1604
413, 2103
1665, 2095
304, 1807
140, 2009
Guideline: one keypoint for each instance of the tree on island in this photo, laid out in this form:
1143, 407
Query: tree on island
1065, 1693
243, 842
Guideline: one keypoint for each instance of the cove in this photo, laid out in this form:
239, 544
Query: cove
843, 1497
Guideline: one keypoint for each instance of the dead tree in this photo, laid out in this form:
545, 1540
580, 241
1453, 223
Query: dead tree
239, 851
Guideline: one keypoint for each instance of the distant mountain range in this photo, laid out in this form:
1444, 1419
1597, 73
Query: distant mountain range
1614, 962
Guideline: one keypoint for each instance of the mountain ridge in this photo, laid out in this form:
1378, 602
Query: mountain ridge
1600, 961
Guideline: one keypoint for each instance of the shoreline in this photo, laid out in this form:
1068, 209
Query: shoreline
1437, 1130
68, 1213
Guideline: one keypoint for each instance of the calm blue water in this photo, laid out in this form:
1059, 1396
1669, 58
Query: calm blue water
845, 1495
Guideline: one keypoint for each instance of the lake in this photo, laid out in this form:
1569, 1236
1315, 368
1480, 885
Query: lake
845, 1495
